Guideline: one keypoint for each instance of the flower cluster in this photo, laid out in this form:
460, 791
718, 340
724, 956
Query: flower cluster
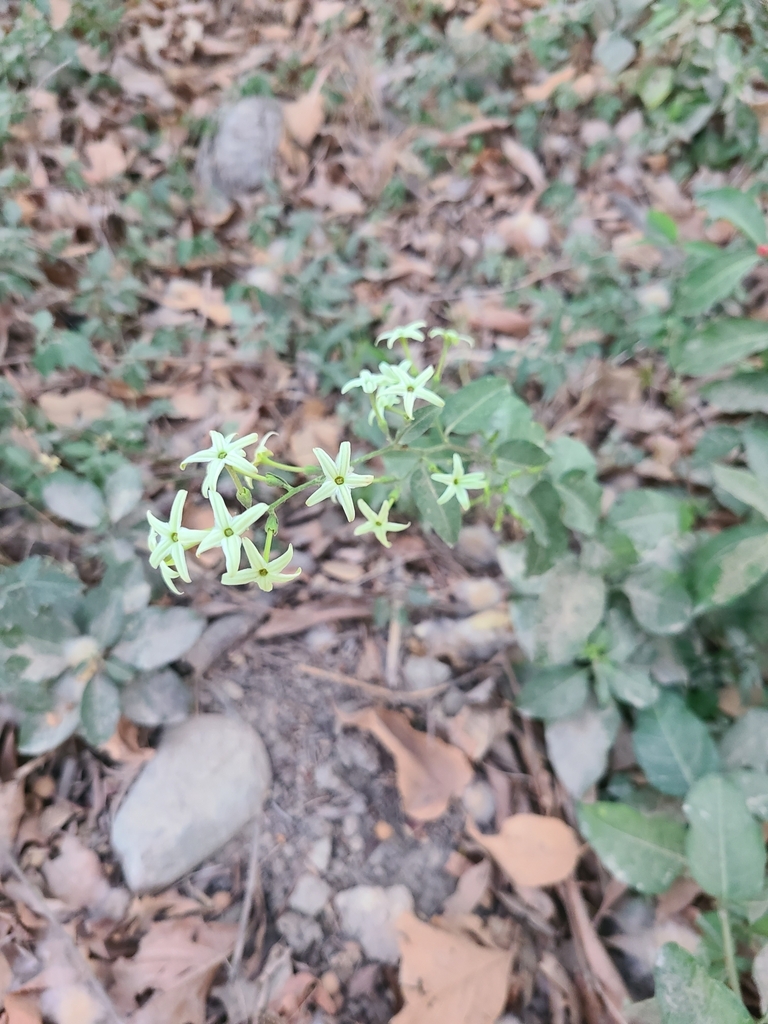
396, 387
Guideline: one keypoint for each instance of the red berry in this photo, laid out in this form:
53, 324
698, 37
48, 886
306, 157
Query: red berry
762, 250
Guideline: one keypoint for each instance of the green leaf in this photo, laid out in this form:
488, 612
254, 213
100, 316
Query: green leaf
754, 788
741, 568
540, 511
643, 852
708, 559
745, 744
521, 455
578, 747
570, 607
661, 224
123, 490
556, 692
30, 586
720, 343
569, 454
687, 995
445, 519
630, 684
423, 420
755, 438
725, 845
646, 516
712, 281
654, 86
100, 710
582, 497
73, 498
673, 746
744, 392
741, 210
159, 636
106, 626
615, 52
743, 485
468, 410
659, 600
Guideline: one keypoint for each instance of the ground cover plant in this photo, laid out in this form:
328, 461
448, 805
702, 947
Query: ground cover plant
501, 274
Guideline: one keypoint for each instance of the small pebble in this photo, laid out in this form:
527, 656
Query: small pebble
310, 895
421, 673
350, 825
298, 931
320, 853
479, 802
383, 831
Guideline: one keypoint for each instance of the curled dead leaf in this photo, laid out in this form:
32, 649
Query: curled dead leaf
525, 161
532, 849
304, 117
447, 978
78, 408
107, 160
429, 771
185, 295
541, 92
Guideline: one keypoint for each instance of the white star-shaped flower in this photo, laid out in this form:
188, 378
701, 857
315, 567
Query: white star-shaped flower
378, 522
263, 573
339, 479
228, 531
408, 387
458, 483
451, 337
169, 541
411, 332
368, 381
227, 451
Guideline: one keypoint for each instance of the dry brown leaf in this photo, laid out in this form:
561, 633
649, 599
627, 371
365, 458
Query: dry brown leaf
140, 84
107, 160
60, 11
177, 959
22, 1009
532, 849
6, 977
341, 201
290, 621
541, 92
304, 117
91, 59
486, 13
525, 161
314, 432
78, 408
184, 295
474, 730
448, 979
71, 1004
429, 771
470, 889
493, 317
76, 877
478, 127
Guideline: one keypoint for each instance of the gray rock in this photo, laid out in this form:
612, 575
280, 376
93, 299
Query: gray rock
207, 780
298, 931
479, 802
320, 853
420, 673
369, 914
223, 634
310, 895
239, 156
478, 544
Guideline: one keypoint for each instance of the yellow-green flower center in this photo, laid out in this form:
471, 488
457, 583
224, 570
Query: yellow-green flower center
263, 572
339, 480
175, 538
222, 455
229, 532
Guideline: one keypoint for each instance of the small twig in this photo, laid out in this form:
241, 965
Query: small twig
394, 639
729, 951
253, 879
382, 693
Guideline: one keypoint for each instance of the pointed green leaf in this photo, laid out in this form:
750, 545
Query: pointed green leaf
630, 684
468, 411
445, 519
673, 746
754, 788
646, 853
725, 845
712, 281
100, 710
659, 600
687, 995
743, 485
741, 568
744, 392
741, 210
721, 343
556, 692
519, 454
708, 559
582, 497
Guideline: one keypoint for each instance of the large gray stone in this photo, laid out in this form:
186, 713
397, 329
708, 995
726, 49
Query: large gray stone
240, 155
208, 779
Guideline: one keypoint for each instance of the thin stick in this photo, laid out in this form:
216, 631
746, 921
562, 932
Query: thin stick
251, 881
394, 638
382, 693
729, 951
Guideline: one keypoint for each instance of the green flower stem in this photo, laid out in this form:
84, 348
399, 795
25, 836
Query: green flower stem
729, 950
441, 363
287, 468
